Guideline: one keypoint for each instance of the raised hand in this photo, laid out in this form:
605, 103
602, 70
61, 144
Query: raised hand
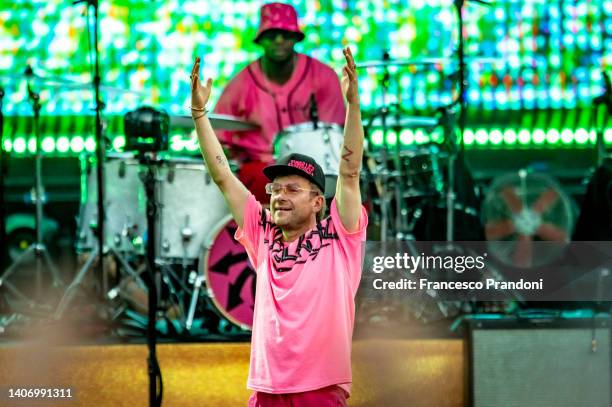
350, 85
199, 93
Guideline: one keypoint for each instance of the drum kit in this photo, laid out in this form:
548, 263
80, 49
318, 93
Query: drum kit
407, 188
194, 245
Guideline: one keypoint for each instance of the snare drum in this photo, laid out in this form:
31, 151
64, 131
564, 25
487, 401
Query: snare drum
125, 222
324, 144
230, 277
191, 205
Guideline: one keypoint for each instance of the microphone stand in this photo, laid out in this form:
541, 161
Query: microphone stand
153, 367
148, 179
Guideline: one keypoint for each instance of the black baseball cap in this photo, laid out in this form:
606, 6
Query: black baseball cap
297, 164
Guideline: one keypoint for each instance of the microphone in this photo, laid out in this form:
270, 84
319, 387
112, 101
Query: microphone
606, 98
313, 112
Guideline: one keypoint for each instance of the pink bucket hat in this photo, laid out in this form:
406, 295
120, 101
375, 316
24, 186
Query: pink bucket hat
278, 16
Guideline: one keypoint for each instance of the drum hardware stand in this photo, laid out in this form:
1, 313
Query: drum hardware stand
383, 169
78, 279
199, 280
177, 294
36, 249
100, 140
606, 100
3, 172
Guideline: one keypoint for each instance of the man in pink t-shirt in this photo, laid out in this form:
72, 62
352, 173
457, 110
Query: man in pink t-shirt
308, 267
274, 92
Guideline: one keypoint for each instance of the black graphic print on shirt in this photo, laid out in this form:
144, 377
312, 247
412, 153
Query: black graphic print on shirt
283, 255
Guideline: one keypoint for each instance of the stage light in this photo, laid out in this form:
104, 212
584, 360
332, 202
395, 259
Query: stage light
552, 136
420, 137
500, 14
77, 144
608, 136
481, 136
391, 138
567, 136
528, 93
474, 95
496, 137
62, 144
501, 98
176, 143
510, 137
468, 137
524, 137
90, 144
581, 136
538, 136
32, 145
119, 143
191, 145
48, 144
7, 145
554, 60
377, 138
407, 137
19, 145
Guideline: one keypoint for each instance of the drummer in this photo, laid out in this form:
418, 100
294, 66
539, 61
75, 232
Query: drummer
275, 92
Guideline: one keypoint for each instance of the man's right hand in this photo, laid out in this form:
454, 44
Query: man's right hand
199, 92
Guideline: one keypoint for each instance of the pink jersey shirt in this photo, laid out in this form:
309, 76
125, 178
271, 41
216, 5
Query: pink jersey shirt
251, 96
304, 302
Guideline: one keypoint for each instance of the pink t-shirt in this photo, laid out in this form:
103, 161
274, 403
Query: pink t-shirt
304, 302
251, 96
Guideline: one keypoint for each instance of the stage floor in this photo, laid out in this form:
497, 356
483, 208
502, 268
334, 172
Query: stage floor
406, 372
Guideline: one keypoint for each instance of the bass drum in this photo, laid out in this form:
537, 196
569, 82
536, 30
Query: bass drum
230, 278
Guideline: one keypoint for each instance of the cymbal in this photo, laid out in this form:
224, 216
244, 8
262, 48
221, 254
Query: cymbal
61, 84
401, 62
404, 122
218, 121
424, 61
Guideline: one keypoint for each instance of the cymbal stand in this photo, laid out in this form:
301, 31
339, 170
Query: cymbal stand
100, 141
37, 249
462, 102
385, 173
2, 178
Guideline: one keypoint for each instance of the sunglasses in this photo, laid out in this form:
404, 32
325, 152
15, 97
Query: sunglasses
271, 35
274, 188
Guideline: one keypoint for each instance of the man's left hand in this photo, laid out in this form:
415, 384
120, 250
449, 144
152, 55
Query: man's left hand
349, 78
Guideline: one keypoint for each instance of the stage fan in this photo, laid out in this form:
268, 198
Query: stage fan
522, 208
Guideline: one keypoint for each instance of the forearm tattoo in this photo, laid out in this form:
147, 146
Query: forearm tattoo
347, 153
221, 160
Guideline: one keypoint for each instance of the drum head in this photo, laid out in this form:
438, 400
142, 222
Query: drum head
230, 277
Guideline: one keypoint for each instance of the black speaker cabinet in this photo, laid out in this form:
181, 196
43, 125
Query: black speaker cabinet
538, 362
